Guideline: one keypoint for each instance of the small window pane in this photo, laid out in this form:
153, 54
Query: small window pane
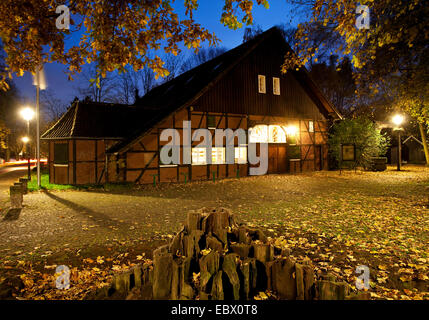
261, 84
61, 153
218, 155
240, 155
199, 156
258, 134
276, 86
277, 134
310, 126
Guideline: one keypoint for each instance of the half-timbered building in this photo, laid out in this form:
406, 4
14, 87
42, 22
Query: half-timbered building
242, 88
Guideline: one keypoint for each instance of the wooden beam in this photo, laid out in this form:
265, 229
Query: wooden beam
145, 168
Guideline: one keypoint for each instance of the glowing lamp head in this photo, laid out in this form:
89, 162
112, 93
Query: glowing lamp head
291, 130
27, 113
398, 119
25, 139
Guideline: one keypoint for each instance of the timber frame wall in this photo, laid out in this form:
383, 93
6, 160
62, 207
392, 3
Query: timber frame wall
86, 161
140, 164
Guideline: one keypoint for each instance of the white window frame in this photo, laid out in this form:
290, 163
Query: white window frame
215, 150
264, 130
311, 126
262, 85
281, 131
195, 159
241, 158
276, 88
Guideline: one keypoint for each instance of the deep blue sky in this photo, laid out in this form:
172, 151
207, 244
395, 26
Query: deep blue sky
208, 15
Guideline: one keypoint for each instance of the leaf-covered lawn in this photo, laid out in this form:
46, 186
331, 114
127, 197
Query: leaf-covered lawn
378, 219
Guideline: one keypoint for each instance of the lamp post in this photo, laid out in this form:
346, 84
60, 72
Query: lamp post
397, 120
28, 114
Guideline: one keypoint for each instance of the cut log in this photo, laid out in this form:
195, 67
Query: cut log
162, 274
299, 278
209, 266
263, 252
191, 246
229, 267
243, 235
214, 244
217, 287
309, 288
193, 221
282, 279
330, 290
241, 249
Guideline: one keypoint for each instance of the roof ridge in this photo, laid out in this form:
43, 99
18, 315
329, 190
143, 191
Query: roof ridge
59, 120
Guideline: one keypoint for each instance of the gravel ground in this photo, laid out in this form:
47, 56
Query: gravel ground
78, 219
367, 207
380, 216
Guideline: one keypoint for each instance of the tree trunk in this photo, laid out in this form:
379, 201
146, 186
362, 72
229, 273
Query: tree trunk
424, 141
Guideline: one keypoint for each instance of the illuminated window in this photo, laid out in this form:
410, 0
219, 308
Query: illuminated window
218, 155
276, 86
259, 134
310, 126
261, 84
240, 155
199, 156
277, 134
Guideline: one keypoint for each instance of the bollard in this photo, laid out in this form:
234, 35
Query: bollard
19, 184
24, 182
16, 196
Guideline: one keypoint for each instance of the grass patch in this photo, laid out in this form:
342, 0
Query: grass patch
45, 184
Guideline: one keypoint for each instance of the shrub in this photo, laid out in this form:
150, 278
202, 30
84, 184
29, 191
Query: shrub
361, 132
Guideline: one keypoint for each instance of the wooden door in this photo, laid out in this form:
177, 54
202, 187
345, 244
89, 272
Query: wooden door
272, 159
281, 159
277, 159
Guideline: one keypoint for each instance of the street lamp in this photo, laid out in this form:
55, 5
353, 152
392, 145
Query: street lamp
28, 114
398, 120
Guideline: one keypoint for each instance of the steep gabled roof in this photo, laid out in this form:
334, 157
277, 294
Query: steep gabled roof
189, 86
97, 120
131, 123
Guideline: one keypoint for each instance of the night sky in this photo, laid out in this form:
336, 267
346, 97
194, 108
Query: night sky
208, 15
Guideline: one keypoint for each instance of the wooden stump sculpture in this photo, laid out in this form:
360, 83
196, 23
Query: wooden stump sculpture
214, 258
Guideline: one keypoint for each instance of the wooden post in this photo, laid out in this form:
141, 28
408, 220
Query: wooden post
16, 196
24, 182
